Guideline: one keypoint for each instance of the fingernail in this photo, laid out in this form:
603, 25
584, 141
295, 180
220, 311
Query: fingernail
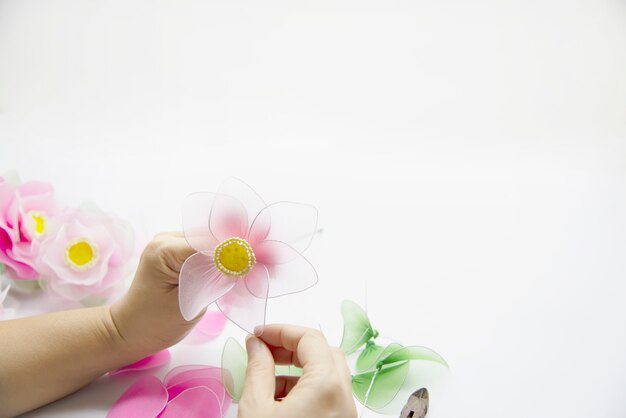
253, 344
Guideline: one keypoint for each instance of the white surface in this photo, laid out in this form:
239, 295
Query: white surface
468, 159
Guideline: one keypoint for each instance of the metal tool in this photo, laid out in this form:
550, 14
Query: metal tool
417, 405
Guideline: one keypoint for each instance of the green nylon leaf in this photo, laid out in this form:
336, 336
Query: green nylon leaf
357, 329
234, 364
413, 353
282, 370
295, 371
372, 354
288, 370
387, 382
367, 358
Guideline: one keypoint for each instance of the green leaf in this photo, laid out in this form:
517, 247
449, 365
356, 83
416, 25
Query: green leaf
387, 373
413, 353
288, 370
383, 385
234, 364
282, 370
372, 354
367, 358
357, 329
295, 371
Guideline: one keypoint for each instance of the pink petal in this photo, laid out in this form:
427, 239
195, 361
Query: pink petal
14, 269
151, 362
212, 323
185, 377
289, 222
198, 402
35, 188
214, 384
200, 284
289, 271
39, 196
241, 191
245, 304
196, 212
180, 374
145, 398
7, 196
257, 280
228, 218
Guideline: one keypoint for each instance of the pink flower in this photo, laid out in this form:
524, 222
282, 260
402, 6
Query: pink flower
247, 251
186, 391
88, 256
26, 211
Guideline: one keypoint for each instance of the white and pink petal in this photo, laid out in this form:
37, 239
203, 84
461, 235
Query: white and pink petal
201, 284
289, 222
245, 304
289, 271
249, 198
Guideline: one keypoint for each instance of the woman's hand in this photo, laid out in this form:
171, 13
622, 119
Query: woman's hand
148, 317
323, 391
46, 357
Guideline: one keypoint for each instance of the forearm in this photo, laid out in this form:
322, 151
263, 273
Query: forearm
46, 357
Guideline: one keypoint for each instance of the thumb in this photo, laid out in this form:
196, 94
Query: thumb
260, 374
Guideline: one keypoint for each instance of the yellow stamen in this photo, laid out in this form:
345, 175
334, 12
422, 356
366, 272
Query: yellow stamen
36, 223
234, 257
40, 223
81, 254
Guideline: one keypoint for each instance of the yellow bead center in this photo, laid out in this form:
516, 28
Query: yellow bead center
81, 254
36, 223
40, 223
234, 257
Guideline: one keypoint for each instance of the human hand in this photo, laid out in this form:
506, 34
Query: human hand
323, 391
148, 316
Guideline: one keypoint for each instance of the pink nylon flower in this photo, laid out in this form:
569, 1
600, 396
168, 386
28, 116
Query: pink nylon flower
88, 256
247, 251
25, 214
186, 391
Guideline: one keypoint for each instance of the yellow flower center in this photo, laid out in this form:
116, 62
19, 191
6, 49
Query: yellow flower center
234, 257
81, 254
36, 223
40, 223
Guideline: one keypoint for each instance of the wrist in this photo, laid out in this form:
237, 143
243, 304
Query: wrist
125, 341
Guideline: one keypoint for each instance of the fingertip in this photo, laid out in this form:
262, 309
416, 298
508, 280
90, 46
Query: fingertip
252, 344
260, 374
257, 349
258, 330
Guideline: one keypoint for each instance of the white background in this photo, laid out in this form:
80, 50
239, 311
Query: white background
468, 159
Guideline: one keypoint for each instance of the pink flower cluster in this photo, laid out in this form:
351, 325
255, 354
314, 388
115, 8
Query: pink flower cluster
79, 254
